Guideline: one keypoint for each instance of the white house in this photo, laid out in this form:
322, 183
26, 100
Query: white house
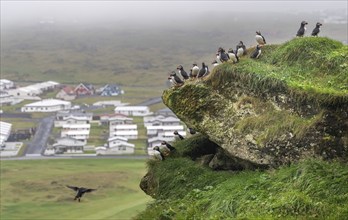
6, 84
105, 118
109, 103
66, 145
72, 118
130, 134
116, 145
33, 90
133, 110
81, 135
120, 121
47, 105
155, 130
5, 131
76, 127
159, 120
156, 141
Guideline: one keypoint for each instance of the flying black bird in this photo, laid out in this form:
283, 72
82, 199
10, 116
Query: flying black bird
316, 30
80, 191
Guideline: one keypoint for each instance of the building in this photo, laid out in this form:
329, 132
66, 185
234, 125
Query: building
34, 90
129, 131
67, 93
109, 103
47, 105
6, 84
5, 131
66, 145
111, 90
130, 134
133, 110
123, 119
81, 135
161, 130
63, 118
76, 127
84, 89
116, 145
161, 120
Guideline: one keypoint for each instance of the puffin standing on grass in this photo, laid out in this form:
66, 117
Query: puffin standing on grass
80, 191
240, 49
233, 55
257, 52
175, 79
170, 147
203, 71
195, 70
302, 29
316, 30
157, 154
259, 38
223, 55
182, 72
179, 135
215, 63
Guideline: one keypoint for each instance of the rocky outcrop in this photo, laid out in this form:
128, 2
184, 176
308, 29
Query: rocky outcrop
262, 121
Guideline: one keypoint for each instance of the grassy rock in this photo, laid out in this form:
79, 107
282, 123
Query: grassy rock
289, 104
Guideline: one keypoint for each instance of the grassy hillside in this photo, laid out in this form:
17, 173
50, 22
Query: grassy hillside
311, 189
35, 189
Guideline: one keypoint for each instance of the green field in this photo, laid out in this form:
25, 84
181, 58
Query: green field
35, 189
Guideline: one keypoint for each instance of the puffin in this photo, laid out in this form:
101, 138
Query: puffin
80, 191
182, 72
223, 55
259, 38
233, 55
241, 49
170, 147
302, 29
203, 71
215, 63
316, 30
192, 130
257, 52
175, 79
179, 135
157, 154
195, 70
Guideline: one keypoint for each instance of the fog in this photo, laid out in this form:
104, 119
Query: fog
149, 12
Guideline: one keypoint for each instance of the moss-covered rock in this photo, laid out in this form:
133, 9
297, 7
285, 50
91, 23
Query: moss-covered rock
289, 104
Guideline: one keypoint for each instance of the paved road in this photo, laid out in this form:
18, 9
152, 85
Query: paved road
15, 115
151, 101
38, 143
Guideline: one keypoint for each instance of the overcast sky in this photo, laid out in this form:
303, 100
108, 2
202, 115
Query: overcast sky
14, 12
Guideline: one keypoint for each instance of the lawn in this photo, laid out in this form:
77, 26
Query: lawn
35, 189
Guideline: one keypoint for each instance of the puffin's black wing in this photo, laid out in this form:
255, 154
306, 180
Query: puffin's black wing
75, 188
89, 190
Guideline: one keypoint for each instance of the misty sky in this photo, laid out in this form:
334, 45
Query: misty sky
17, 12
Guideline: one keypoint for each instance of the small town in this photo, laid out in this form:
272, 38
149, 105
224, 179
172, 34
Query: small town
56, 126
